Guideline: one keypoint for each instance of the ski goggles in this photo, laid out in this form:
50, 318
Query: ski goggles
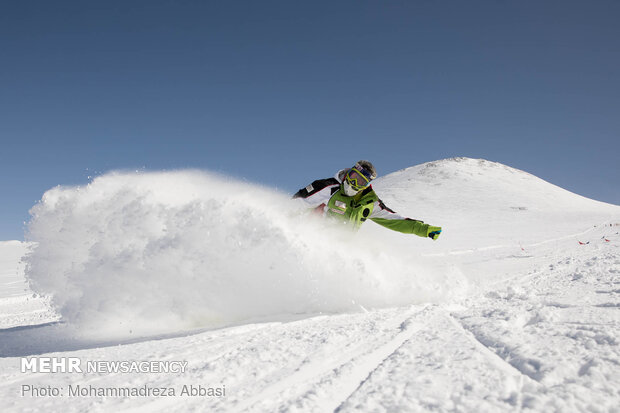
357, 179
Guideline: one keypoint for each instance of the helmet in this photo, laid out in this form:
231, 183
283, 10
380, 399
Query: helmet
367, 169
358, 177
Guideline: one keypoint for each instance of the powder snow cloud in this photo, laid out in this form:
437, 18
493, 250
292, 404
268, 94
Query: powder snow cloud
166, 251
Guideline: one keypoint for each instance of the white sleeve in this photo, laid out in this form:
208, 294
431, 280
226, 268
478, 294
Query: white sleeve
317, 198
382, 211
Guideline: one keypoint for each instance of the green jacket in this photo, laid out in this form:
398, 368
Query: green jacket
327, 197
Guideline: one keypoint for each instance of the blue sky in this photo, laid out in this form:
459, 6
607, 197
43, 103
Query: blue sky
285, 92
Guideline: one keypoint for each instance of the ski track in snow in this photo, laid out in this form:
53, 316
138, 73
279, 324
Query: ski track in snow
512, 246
329, 379
538, 329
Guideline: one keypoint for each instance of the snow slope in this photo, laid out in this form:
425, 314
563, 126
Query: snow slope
507, 311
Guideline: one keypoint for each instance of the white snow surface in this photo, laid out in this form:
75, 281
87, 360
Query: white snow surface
514, 307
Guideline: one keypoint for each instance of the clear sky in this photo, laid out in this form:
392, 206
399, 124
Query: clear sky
285, 92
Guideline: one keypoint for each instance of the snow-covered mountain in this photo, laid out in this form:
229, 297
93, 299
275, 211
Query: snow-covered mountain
479, 201
513, 308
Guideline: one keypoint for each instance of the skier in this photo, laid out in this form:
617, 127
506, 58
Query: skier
349, 198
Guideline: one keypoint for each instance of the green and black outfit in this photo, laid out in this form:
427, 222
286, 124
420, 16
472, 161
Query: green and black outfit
327, 197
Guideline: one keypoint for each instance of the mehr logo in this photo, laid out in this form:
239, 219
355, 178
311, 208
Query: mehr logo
74, 365
51, 365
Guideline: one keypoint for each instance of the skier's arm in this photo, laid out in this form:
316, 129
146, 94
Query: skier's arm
317, 194
384, 216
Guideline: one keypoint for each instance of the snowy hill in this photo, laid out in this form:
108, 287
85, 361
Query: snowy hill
478, 201
514, 308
